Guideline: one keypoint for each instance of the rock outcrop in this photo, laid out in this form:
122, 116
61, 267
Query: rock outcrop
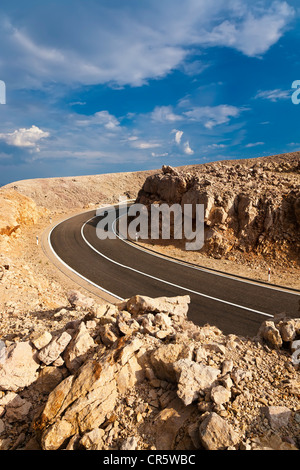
16, 212
137, 375
250, 206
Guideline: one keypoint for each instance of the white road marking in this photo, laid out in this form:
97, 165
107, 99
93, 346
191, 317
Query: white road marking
73, 270
202, 269
167, 282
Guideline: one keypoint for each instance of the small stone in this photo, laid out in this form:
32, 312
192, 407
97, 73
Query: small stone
227, 366
52, 351
278, 416
40, 340
193, 378
16, 408
220, 395
216, 434
93, 440
129, 444
19, 367
270, 333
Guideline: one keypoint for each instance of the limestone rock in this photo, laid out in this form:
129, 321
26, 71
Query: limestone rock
82, 402
49, 378
15, 408
164, 358
216, 434
168, 187
271, 441
77, 299
220, 395
170, 422
193, 378
248, 208
271, 334
109, 334
138, 305
40, 340
93, 440
78, 348
17, 211
277, 416
289, 329
52, 351
19, 367
129, 444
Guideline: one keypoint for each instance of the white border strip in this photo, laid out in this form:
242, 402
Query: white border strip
73, 270
167, 282
202, 269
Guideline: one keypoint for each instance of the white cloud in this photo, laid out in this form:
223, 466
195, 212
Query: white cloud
25, 137
159, 155
125, 43
254, 144
145, 145
178, 136
212, 116
101, 118
187, 149
216, 146
165, 114
273, 95
255, 31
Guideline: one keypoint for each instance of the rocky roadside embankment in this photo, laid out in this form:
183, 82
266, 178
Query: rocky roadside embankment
137, 375
252, 207
31, 288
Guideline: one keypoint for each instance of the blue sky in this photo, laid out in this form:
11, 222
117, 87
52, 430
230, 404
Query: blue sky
125, 85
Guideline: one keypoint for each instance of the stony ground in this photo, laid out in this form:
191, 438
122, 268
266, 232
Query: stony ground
138, 375
34, 301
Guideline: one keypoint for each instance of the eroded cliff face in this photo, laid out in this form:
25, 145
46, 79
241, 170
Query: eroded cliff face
16, 211
250, 206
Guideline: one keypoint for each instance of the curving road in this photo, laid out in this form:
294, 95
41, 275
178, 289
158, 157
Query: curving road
233, 305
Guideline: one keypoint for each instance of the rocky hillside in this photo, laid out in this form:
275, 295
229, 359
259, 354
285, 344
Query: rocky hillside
62, 195
79, 373
252, 207
137, 375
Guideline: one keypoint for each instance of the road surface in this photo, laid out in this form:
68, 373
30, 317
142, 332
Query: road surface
233, 305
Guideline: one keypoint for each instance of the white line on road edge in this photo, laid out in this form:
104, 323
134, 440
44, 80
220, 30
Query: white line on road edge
73, 270
167, 282
198, 268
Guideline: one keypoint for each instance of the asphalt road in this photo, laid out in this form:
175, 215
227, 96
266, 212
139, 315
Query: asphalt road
232, 305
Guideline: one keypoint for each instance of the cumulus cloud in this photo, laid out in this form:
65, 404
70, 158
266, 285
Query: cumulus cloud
254, 144
165, 114
212, 116
273, 95
130, 43
178, 136
144, 145
216, 146
159, 155
255, 31
101, 118
25, 137
187, 149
